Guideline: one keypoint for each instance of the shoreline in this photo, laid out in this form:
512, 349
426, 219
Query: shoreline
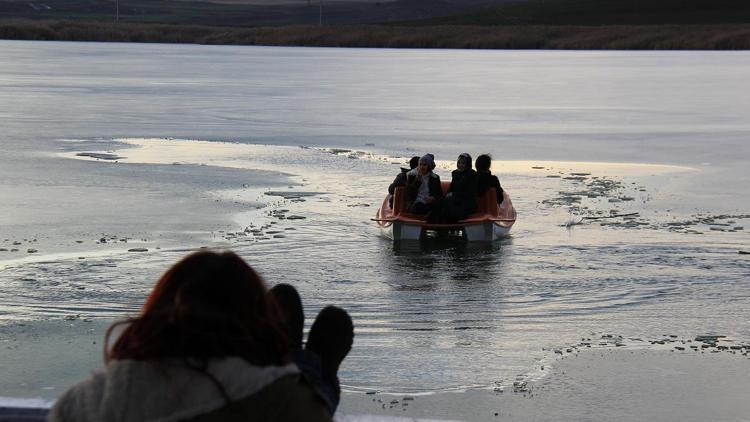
527, 37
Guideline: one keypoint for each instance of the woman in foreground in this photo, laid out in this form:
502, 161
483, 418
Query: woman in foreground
208, 346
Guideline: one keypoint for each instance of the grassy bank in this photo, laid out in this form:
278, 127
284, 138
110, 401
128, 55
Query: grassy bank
628, 37
603, 12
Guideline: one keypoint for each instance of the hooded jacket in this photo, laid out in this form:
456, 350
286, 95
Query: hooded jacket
463, 189
170, 390
400, 180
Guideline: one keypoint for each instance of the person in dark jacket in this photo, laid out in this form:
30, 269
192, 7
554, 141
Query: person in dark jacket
461, 199
423, 189
485, 179
400, 179
207, 346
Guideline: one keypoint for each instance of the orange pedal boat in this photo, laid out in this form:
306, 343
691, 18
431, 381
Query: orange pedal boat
492, 221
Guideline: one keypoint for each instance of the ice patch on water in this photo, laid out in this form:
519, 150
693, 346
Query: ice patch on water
381, 418
474, 312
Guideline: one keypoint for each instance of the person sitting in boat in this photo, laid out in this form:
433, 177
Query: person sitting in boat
400, 179
461, 199
423, 189
209, 345
485, 179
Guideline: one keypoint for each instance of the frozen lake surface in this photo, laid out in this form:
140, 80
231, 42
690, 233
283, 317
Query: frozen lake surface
284, 154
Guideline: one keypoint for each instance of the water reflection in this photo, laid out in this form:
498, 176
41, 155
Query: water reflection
442, 305
443, 259
438, 285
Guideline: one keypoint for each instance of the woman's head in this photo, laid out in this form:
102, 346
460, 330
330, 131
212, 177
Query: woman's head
484, 162
463, 162
208, 305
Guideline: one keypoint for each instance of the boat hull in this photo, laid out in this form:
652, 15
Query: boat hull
485, 232
492, 222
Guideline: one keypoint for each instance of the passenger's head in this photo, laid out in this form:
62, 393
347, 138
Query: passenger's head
208, 305
427, 163
463, 162
414, 162
484, 162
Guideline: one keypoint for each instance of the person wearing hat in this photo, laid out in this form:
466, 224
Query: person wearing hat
423, 189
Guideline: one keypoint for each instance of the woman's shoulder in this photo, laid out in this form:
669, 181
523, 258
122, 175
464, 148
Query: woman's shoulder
81, 401
142, 390
289, 398
486, 176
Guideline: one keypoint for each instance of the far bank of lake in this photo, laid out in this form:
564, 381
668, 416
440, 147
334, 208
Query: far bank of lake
527, 37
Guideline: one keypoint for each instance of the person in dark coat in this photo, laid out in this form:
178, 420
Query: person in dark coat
485, 178
400, 179
423, 189
461, 199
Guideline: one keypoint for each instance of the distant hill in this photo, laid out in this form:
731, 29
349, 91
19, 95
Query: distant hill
245, 13
490, 24
254, 13
603, 12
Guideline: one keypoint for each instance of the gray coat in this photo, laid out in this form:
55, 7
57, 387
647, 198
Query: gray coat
165, 391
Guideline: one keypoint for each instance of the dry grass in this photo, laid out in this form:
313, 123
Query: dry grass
651, 37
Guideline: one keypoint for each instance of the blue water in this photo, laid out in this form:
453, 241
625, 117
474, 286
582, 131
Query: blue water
431, 316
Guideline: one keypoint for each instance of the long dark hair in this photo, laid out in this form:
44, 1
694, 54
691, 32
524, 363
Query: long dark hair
484, 162
208, 305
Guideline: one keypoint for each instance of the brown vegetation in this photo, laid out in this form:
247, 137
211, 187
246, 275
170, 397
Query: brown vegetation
667, 37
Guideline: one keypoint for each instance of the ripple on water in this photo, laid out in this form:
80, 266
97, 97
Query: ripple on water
432, 316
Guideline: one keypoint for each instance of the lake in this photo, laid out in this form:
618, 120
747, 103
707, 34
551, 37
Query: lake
112, 147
